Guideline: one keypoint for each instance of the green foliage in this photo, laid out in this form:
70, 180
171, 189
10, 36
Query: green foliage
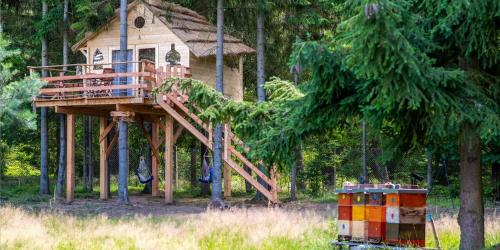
18, 162
90, 15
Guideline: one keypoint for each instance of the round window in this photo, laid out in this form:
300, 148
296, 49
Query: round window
139, 22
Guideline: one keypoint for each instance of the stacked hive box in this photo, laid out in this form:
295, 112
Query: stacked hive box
382, 214
358, 215
375, 216
344, 215
412, 217
392, 217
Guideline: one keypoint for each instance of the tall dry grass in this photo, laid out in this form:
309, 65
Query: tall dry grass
235, 229
449, 232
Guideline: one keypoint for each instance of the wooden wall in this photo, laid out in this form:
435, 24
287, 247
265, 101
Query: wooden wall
155, 35
158, 35
204, 69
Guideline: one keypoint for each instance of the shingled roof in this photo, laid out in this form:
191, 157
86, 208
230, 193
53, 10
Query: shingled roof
192, 28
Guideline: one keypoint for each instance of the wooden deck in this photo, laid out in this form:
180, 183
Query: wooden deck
91, 92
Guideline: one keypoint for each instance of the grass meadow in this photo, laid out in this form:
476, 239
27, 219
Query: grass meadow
256, 228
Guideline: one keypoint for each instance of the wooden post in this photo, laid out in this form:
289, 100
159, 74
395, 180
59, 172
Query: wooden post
154, 163
227, 155
274, 185
227, 181
103, 160
70, 160
169, 162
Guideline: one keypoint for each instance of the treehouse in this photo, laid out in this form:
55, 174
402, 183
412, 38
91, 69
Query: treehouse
164, 41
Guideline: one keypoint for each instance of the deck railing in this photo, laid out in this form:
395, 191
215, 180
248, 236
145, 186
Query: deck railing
75, 81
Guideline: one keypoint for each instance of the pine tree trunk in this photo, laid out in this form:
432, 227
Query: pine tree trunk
62, 117
123, 167
62, 156
471, 214
193, 166
261, 80
44, 154
84, 153
429, 171
91, 157
495, 179
301, 185
217, 197
293, 177
123, 159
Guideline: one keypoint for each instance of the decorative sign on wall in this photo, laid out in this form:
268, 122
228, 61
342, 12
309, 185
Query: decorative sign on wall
173, 57
97, 58
139, 22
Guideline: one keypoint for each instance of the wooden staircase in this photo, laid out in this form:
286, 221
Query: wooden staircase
173, 103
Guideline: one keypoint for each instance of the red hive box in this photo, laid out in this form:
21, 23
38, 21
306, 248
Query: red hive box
345, 199
376, 231
345, 212
412, 199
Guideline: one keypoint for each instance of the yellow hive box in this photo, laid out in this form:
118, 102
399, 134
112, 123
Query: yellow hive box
358, 213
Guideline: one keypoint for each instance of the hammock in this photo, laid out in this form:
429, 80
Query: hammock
206, 172
143, 173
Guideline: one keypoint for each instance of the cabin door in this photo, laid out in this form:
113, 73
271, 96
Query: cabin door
122, 80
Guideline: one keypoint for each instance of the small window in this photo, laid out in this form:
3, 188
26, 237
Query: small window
139, 22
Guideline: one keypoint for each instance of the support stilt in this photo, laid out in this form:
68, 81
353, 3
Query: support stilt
103, 160
169, 161
70, 160
155, 161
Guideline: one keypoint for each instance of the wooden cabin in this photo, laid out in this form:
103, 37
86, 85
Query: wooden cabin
165, 41
168, 34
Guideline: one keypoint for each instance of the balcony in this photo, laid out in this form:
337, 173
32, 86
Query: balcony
101, 84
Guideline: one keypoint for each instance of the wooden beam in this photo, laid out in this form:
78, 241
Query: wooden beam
80, 101
169, 162
183, 122
178, 133
250, 165
122, 114
82, 111
59, 90
105, 132
227, 180
274, 186
103, 162
154, 148
250, 179
227, 155
70, 157
95, 76
112, 144
155, 161
140, 109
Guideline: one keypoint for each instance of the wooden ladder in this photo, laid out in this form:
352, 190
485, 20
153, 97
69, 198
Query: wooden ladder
173, 104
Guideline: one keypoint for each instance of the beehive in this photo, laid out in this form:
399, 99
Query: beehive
385, 214
375, 215
344, 214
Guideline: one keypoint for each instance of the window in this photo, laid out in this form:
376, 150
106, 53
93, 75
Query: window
146, 54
